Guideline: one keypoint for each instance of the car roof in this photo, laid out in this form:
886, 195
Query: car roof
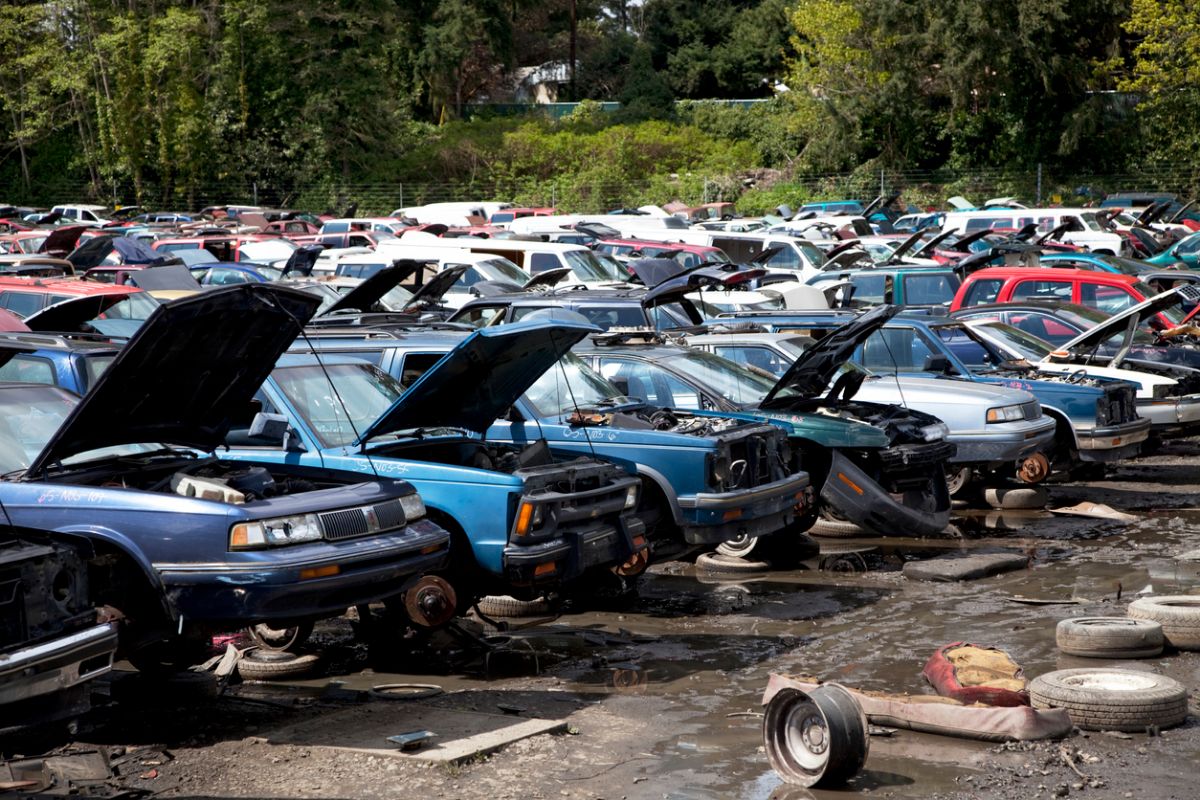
63, 286
1055, 273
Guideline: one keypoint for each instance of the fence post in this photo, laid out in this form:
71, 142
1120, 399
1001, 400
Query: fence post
255, 184
1039, 185
401, 195
881, 188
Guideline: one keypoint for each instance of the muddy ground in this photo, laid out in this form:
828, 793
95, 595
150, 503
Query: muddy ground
662, 694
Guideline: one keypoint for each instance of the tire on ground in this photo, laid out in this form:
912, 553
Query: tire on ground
722, 563
269, 665
502, 605
1016, 497
1179, 616
1109, 637
837, 529
1112, 699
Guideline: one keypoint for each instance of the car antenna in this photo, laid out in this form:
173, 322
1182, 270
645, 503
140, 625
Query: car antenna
574, 403
336, 393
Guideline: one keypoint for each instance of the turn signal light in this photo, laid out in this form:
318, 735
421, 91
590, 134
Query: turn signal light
319, 572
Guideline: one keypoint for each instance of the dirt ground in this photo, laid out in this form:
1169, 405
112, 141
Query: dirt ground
662, 694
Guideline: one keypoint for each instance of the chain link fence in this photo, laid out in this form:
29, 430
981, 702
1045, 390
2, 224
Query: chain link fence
755, 191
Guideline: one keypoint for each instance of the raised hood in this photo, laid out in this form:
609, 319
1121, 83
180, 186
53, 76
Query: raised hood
1133, 317
188, 371
811, 373
480, 379
364, 296
73, 314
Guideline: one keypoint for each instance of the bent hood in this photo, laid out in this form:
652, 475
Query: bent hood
189, 370
481, 378
1135, 316
811, 372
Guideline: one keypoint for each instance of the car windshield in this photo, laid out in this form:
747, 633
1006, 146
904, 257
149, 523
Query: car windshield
813, 254
501, 269
732, 381
587, 267
1024, 345
569, 385
338, 417
30, 415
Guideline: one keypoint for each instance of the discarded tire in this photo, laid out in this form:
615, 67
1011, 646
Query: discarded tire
272, 665
1179, 616
782, 550
501, 605
285, 639
837, 529
815, 738
1112, 699
720, 562
1109, 637
1015, 498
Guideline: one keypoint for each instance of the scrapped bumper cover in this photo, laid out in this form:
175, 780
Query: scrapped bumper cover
1113, 442
58, 664
715, 517
862, 501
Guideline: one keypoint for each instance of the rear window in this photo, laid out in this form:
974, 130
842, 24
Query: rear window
1045, 290
28, 369
930, 290
869, 288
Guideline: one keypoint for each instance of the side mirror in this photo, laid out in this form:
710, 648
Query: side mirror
937, 363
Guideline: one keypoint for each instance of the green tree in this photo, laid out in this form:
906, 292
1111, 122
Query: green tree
1165, 75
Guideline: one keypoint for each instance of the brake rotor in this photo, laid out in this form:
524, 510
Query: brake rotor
636, 564
1034, 469
430, 602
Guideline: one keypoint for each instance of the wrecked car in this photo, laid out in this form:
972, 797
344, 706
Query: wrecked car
860, 456
53, 641
185, 543
525, 518
705, 480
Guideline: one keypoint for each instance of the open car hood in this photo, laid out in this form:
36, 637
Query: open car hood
482, 377
1117, 323
546, 278
364, 296
653, 271
171, 277
810, 374
189, 370
698, 278
62, 240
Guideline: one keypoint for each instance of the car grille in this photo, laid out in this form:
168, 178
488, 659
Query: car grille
362, 521
755, 452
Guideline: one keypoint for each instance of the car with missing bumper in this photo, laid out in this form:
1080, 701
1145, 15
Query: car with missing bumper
185, 543
526, 518
878, 466
53, 641
995, 430
691, 495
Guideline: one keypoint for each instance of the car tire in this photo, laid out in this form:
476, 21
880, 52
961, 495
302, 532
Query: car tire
1019, 497
501, 605
958, 479
257, 664
723, 563
1112, 699
288, 640
1179, 616
1109, 637
781, 550
837, 529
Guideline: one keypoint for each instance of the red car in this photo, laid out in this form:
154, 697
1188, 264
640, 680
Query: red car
1109, 292
26, 296
690, 255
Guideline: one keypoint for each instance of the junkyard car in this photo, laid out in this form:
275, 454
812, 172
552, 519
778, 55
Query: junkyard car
690, 495
52, 640
185, 543
988, 434
860, 456
524, 518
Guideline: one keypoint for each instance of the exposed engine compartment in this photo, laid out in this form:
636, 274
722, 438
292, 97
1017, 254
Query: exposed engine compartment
467, 452
657, 419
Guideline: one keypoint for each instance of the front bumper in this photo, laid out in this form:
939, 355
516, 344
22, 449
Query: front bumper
369, 570
862, 501
1113, 442
715, 517
566, 557
56, 665
1011, 441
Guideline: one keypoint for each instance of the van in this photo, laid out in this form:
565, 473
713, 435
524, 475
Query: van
83, 214
1084, 229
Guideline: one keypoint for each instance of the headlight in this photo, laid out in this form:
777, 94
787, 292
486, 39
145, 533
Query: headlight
718, 470
529, 517
935, 432
1005, 414
413, 505
1102, 411
276, 532
631, 496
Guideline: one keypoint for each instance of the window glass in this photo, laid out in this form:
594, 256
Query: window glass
1188, 246
338, 418
27, 369
568, 385
1052, 290
895, 350
478, 316
649, 382
929, 290
785, 257
1109, 299
869, 288
763, 358
983, 291
23, 303
540, 262
93, 367
415, 365
964, 346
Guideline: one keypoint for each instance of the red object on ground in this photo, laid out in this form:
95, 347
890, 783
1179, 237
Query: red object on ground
986, 676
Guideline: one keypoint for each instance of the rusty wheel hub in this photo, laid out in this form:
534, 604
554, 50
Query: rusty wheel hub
1034, 469
636, 564
431, 602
